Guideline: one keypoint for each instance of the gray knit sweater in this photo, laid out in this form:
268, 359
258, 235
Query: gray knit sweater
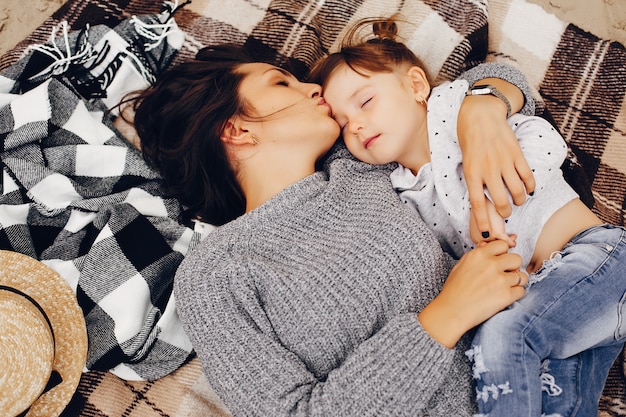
307, 306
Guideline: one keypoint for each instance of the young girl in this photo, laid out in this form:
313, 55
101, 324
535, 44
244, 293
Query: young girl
563, 336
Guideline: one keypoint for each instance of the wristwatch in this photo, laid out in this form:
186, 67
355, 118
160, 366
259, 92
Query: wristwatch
478, 90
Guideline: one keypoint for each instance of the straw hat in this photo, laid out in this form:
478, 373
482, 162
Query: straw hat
43, 338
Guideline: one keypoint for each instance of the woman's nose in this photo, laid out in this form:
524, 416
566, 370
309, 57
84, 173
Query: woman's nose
315, 90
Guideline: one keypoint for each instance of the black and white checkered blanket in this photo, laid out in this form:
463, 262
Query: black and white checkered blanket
78, 197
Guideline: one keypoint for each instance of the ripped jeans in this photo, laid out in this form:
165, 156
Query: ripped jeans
550, 352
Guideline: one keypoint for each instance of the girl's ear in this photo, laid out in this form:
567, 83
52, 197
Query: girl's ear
235, 133
419, 83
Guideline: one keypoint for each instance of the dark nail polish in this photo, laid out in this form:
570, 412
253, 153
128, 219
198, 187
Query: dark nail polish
532, 193
485, 235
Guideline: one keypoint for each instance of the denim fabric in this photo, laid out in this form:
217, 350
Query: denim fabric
550, 352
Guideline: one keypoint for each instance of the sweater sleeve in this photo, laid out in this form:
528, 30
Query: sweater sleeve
395, 372
506, 73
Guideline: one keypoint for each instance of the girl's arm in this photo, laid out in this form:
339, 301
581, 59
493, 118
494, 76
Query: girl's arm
492, 157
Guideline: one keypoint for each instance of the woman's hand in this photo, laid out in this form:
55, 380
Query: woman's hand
484, 282
492, 157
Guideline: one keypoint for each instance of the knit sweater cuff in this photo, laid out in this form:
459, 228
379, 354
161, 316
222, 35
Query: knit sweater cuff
506, 73
402, 367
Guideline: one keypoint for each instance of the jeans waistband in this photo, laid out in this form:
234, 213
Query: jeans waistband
597, 229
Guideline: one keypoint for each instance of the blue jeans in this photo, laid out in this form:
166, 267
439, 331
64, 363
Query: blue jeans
550, 352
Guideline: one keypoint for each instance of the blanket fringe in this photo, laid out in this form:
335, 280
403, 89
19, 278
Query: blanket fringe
157, 32
63, 59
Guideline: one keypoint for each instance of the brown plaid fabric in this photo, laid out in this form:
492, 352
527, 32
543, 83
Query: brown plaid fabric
185, 392
579, 79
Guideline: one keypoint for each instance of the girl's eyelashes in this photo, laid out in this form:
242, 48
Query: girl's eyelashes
284, 83
366, 101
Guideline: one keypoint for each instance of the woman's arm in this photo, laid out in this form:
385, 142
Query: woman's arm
485, 281
505, 74
492, 157
396, 371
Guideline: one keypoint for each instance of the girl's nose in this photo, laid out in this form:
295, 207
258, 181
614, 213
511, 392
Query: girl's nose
354, 126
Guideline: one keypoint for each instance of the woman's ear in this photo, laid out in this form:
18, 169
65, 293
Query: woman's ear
419, 83
235, 133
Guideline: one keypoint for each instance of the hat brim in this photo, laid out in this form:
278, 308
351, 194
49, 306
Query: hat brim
58, 300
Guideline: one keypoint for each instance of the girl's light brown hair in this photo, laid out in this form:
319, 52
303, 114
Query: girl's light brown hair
379, 51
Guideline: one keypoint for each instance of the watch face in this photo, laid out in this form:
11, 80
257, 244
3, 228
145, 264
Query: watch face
481, 89
490, 89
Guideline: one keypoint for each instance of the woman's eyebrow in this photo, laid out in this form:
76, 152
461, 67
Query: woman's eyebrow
281, 70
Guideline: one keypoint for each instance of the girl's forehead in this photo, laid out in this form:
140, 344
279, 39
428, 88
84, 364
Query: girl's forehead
344, 71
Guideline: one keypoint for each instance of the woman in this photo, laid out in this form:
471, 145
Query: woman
321, 293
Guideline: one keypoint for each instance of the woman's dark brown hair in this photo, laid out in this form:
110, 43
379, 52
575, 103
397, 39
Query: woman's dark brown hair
179, 121
381, 53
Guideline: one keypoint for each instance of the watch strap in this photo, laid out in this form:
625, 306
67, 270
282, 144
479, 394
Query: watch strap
489, 89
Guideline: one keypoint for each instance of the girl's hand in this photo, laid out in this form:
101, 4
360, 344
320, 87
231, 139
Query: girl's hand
484, 282
492, 156
498, 230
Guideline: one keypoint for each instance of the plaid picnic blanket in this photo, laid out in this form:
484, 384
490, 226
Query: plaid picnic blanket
579, 81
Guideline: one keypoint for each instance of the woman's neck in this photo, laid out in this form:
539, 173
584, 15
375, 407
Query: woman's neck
260, 185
